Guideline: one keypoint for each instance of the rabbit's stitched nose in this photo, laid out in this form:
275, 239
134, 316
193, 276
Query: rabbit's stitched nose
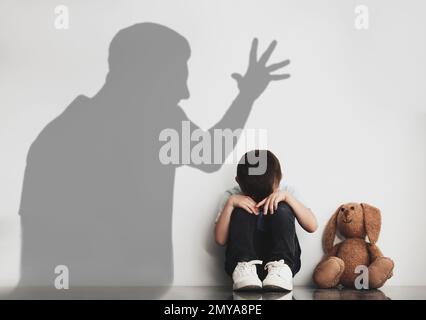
347, 215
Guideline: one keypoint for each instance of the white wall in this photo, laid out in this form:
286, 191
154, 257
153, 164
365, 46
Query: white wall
349, 125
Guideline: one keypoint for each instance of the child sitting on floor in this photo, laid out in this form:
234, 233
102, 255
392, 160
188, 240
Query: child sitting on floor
256, 222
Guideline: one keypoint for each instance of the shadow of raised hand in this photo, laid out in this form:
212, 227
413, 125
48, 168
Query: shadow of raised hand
258, 75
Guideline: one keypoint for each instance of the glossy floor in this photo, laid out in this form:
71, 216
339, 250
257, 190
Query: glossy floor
214, 293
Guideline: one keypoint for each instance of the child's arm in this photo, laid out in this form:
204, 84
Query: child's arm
304, 216
222, 224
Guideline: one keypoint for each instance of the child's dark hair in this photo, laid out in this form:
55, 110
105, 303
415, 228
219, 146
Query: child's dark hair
258, 186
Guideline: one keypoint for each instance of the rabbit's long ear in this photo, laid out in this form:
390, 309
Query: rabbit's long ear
372, 222
330, 232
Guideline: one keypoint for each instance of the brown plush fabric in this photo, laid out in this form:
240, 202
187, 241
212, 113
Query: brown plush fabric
354, 221
372, 222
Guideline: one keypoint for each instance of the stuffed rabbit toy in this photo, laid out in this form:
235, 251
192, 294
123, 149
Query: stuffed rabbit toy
354, 222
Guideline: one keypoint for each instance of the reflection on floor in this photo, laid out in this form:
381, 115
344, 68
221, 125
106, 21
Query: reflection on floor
215, 293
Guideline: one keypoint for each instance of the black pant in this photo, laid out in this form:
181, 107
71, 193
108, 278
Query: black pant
278, 239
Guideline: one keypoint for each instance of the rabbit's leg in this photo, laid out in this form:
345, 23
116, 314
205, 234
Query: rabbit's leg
328, 272
379, 271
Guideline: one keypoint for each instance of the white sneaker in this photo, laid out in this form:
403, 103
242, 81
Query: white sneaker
279, 276
245, 276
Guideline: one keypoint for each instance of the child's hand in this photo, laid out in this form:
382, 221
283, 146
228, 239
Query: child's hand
271, 202
244, 202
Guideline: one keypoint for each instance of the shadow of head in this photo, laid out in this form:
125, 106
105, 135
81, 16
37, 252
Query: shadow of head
149, 61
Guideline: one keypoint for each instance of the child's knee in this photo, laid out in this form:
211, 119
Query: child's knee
241, 214
284, 212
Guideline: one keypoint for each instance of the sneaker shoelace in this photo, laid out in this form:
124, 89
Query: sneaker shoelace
248, 266
274, 267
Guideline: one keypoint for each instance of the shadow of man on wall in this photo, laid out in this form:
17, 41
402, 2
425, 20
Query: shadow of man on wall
96, 198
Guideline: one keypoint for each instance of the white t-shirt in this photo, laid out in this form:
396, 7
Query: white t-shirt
237, 190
